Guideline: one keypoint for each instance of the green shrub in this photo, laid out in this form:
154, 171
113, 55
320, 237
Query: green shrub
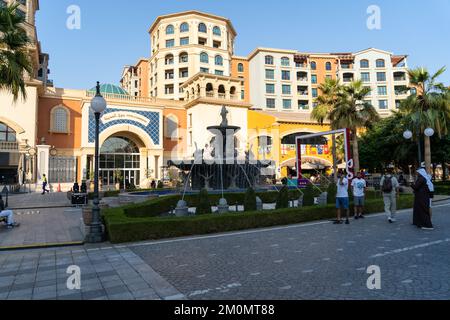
332, 191
310, 192
250, 200
121, 229
283, 198
203, 204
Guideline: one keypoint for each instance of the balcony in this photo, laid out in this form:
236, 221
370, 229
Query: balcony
6, 146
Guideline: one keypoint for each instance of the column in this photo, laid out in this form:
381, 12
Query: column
145, 176
157, 168
84, 169
43, 156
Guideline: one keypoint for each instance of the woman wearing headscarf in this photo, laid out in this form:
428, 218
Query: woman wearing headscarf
423, 190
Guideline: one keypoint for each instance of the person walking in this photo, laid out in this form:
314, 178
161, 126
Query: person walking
423, 190
44, 184
342, 199
359, 186
390, 188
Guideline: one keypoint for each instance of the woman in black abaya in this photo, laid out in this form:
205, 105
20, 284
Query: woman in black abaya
423, 188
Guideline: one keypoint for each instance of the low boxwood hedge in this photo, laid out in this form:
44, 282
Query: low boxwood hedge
121, 228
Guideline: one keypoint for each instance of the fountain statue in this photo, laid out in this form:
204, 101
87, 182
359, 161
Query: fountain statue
223, 170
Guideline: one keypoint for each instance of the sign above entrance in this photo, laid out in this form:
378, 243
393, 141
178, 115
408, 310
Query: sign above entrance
125, 115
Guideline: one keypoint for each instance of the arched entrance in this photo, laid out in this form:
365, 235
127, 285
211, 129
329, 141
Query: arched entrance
120, 162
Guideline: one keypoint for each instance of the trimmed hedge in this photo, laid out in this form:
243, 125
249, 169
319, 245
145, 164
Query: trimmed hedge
204, 206
250, 200
121, 228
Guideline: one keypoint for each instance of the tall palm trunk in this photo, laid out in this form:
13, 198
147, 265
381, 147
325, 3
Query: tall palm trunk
355, 152
334, 149
428, 154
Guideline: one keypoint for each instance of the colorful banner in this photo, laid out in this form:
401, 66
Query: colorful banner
307, 150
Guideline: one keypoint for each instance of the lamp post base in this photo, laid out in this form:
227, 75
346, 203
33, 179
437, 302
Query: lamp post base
95, 234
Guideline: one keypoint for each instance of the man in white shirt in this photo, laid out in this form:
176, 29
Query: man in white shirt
342, 198
390, 188
359, 186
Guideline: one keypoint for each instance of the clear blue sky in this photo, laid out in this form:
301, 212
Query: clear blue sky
114, 33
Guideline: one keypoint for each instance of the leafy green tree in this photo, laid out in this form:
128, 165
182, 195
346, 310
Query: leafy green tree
430, 107
15, 60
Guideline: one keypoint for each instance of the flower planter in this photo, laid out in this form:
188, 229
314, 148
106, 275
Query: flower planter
87, 215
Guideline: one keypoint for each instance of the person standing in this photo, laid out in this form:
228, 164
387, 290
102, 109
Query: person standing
423, 189
359, 187
342, 199
390, 188
44, 184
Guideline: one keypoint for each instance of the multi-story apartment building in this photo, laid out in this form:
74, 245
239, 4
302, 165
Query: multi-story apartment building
185, 44
130, 80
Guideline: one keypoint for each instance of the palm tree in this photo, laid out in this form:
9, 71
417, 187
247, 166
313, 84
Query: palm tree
331, 91
14, 57
353, 112
430, 107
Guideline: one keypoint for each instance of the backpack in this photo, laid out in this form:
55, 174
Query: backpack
387, 185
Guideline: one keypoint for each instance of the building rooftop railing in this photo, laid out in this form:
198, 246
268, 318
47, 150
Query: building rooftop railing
123, 97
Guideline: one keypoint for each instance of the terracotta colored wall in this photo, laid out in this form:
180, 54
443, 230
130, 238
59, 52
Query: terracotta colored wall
246, 75
321, 71
61, 141
181, 114
143, 77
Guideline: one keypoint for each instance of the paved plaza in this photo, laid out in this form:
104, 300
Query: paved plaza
310, 261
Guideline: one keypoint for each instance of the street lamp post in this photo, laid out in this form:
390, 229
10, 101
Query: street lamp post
429, 132
98, 106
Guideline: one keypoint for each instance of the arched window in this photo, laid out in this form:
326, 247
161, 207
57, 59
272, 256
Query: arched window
169, 59
328, 66
202, 28
170, 29
7, 133
233, 90
381, 63
364, 64
171, 127
60, 120
216, 31
313, 65
218, 60
209, 89
184, 57
184, 27
269, 60
285, 62
240, 67
204, 58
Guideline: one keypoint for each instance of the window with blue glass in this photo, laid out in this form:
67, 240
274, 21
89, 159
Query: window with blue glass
382, 91
314, 92
218, 72
364, 64
270, 103
218, 61
365, 77
381, 63
381, 76
269, 60
270, 88
240, 67
204, 58
184, 27
170, 43
383, 104
285, 62
314, 79
413, 91
202, 28
216, 31
285, 75
286, 89
313, 65
170, 29
328, 66
204, 70
270, 74
287, 103
184, 41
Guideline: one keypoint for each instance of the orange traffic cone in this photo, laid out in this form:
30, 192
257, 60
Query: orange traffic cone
59, 187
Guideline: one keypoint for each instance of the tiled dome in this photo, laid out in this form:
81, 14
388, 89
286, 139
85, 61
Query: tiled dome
110, 89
